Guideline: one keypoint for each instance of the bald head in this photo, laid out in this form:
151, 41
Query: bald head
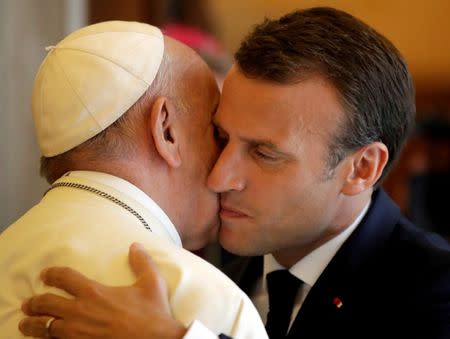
180, 65
174, 80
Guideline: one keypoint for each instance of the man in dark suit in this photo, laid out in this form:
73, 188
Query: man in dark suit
389, 279
312, 116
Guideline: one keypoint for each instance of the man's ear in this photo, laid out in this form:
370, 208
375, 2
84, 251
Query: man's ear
162, 126
364, 168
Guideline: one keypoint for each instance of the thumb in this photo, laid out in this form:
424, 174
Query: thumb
139, 259
144, 267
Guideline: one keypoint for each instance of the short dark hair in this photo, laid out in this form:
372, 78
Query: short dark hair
369, 73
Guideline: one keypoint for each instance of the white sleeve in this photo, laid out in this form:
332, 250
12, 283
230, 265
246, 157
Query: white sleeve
199, 331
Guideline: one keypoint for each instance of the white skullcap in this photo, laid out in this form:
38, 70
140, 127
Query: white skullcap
89, 79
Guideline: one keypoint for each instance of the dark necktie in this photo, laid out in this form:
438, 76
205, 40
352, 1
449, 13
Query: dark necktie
282, 288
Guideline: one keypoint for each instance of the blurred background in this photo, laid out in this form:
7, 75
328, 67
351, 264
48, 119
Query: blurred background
420, 29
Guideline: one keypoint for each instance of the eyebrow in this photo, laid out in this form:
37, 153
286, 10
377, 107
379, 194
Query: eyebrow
252, 142
262, 142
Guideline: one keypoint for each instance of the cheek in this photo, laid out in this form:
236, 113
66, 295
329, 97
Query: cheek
207, 151
204, 152
289, 203
280, 193
311, 206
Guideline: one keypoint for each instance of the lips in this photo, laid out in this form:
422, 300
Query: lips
230, 212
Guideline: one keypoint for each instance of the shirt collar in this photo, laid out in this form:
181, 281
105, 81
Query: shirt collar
131, 191
310, 267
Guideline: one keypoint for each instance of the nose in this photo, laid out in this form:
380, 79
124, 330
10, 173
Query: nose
226, 174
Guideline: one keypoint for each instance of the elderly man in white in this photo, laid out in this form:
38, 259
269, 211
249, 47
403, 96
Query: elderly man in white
123, 119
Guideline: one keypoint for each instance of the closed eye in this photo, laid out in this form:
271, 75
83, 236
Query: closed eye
258, 153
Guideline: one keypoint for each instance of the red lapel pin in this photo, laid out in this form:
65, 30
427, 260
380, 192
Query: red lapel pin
337, 302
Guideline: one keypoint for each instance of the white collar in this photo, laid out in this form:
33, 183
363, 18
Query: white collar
133, 192
309, 268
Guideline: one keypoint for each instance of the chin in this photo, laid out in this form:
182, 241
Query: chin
196, 245
200, 240
241, 244
239, 249
227, 241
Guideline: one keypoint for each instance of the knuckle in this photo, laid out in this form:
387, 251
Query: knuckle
81, 309
54, 275
39, 303
91, 290
33, 304
77, 308
74, 331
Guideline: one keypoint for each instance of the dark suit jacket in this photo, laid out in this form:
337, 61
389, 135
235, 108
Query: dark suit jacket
392, 278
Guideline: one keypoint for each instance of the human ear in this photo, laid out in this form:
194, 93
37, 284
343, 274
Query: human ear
365, 167
162, 121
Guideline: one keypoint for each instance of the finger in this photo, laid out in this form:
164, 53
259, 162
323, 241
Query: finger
67, 279
47, 304
140, 260
144, 267
36, 327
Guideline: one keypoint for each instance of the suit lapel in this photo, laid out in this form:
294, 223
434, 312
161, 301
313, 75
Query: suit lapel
332, 297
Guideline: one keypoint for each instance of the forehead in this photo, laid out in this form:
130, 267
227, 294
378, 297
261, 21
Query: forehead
256, 108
